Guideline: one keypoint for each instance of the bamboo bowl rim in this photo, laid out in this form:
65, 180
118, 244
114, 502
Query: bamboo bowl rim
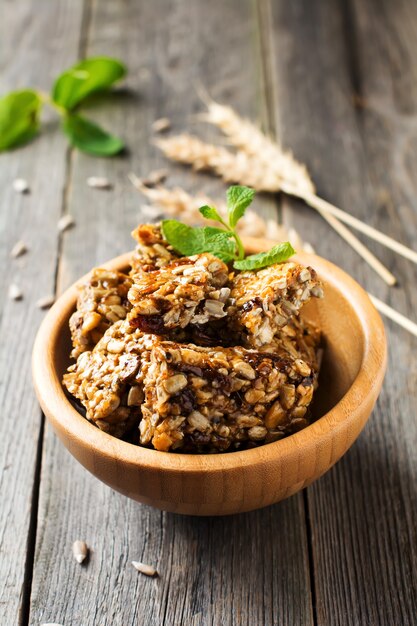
63, 415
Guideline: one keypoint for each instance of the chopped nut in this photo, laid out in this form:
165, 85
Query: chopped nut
99, 182
18, 249
20, 185
160, 125
257, 433
245, 370
175, 383
46, 302
148, 570
15, 293
115, 345
65, 222
80, 551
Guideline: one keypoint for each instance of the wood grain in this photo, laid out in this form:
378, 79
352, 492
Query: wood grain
34, 61
229, 571
327, 57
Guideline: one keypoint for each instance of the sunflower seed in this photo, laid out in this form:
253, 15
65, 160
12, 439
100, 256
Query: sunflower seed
80, 551
148, 570
65, 222
99, 182
20, 185
15, 293
18, 249
46, 302
160, 125
51, 624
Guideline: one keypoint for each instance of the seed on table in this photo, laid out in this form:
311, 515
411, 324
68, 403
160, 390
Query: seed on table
65, 222
51, 624
80, 551
15, 293
163, 123
99, 182
148, 570
46, 302
18, 249
20, 185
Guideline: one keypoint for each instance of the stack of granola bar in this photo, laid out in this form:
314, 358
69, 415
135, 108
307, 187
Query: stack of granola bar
191, 356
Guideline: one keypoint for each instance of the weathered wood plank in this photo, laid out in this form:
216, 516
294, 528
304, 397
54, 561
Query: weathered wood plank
362, 514
35, 45
248, 569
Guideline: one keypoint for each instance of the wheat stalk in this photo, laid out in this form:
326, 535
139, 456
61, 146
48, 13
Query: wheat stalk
245, 169
178, 203
296, 179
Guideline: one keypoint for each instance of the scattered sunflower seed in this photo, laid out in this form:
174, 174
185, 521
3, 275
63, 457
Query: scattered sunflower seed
18, 249
46, 302
15, 293
99, 182
160, 125
51, 624
155, 177
65, 222
148, 570
20, 185
80, 550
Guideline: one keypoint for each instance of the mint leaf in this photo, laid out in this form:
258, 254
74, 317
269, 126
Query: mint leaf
89, 137
188, 240
277, 254
85, 78
19, 117
210, 213
238, 200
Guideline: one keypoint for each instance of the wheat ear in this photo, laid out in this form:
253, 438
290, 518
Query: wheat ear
242, 168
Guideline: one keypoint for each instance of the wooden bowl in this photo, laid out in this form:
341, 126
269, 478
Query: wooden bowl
220, 484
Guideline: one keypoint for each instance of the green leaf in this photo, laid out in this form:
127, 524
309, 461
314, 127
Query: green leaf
85, 78
277, 254
89, 137
19, 117
238, 200
188, 240
210, 213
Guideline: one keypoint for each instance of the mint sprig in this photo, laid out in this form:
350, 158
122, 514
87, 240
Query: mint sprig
20, 110
224, 242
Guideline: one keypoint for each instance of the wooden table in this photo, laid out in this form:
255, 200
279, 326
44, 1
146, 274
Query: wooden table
337, 81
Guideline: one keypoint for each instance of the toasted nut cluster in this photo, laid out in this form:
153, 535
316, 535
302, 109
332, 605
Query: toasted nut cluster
102, 301
190, 290
108, 379
214, 399
196, 358
263, 302
152, 251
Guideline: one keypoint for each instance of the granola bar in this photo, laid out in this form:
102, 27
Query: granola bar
263, 302
190, 290
108, 379
102, 301
207, 400
152, 251
298, 339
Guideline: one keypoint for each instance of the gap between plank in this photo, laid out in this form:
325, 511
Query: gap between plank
25, 610
33, 524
